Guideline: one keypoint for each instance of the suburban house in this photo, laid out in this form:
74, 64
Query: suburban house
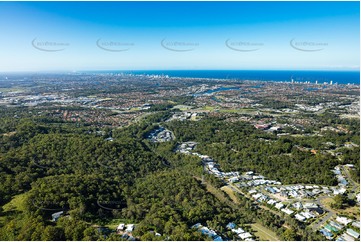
300, 218
56, 216
287, 211
347, 237
356, 224
312, 207
353, 233
271, 202
307, 215
326, 233
245, 235
129, 228
336, 225
231, 225
120, 227
343, 220
279, 205
238, 231
297, 205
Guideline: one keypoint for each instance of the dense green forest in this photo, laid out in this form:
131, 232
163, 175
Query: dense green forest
47, 165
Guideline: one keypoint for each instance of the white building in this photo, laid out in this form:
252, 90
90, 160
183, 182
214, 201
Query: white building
279, 205
297, 205
271, 202
307, 215
120, 227
129, 228
256, 196
252, 191
356, 224
238, 231
300, 218
353, 233
343, 220
245, 235
233, 179
287, 211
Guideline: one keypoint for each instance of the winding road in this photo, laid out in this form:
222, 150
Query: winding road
326, 217
354, 186
354, 189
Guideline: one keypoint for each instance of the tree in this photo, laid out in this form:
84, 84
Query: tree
73, 229
289, 235
339, 201
53, 233
90, 234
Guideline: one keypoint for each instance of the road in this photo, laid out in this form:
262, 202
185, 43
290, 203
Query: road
259, 205
236, 189
315, 226
329, 214
354, 186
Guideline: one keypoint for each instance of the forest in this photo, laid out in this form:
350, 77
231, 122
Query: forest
49, 165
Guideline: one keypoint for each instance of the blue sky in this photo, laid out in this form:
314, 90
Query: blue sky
68, 36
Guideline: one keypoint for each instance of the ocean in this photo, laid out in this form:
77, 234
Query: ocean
340, 77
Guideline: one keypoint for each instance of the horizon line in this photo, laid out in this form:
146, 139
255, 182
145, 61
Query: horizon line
145, 70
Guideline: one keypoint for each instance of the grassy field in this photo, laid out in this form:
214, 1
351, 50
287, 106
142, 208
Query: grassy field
17, 203
2, 221
218, 194
209, 108
113, 224
12, 89
229, 110
355, 210
230, 193
264, 233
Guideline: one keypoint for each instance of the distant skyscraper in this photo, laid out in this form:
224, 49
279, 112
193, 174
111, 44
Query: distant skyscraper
331, 82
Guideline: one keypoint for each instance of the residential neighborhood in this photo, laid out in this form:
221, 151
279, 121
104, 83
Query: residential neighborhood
300, 201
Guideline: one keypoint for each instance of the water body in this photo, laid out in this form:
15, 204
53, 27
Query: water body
220, 89
340, 77
215, 99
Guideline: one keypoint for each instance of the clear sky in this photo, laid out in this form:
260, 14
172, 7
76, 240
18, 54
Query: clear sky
69, 36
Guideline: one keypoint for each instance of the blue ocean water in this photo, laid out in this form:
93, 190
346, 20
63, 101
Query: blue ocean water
340, 77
